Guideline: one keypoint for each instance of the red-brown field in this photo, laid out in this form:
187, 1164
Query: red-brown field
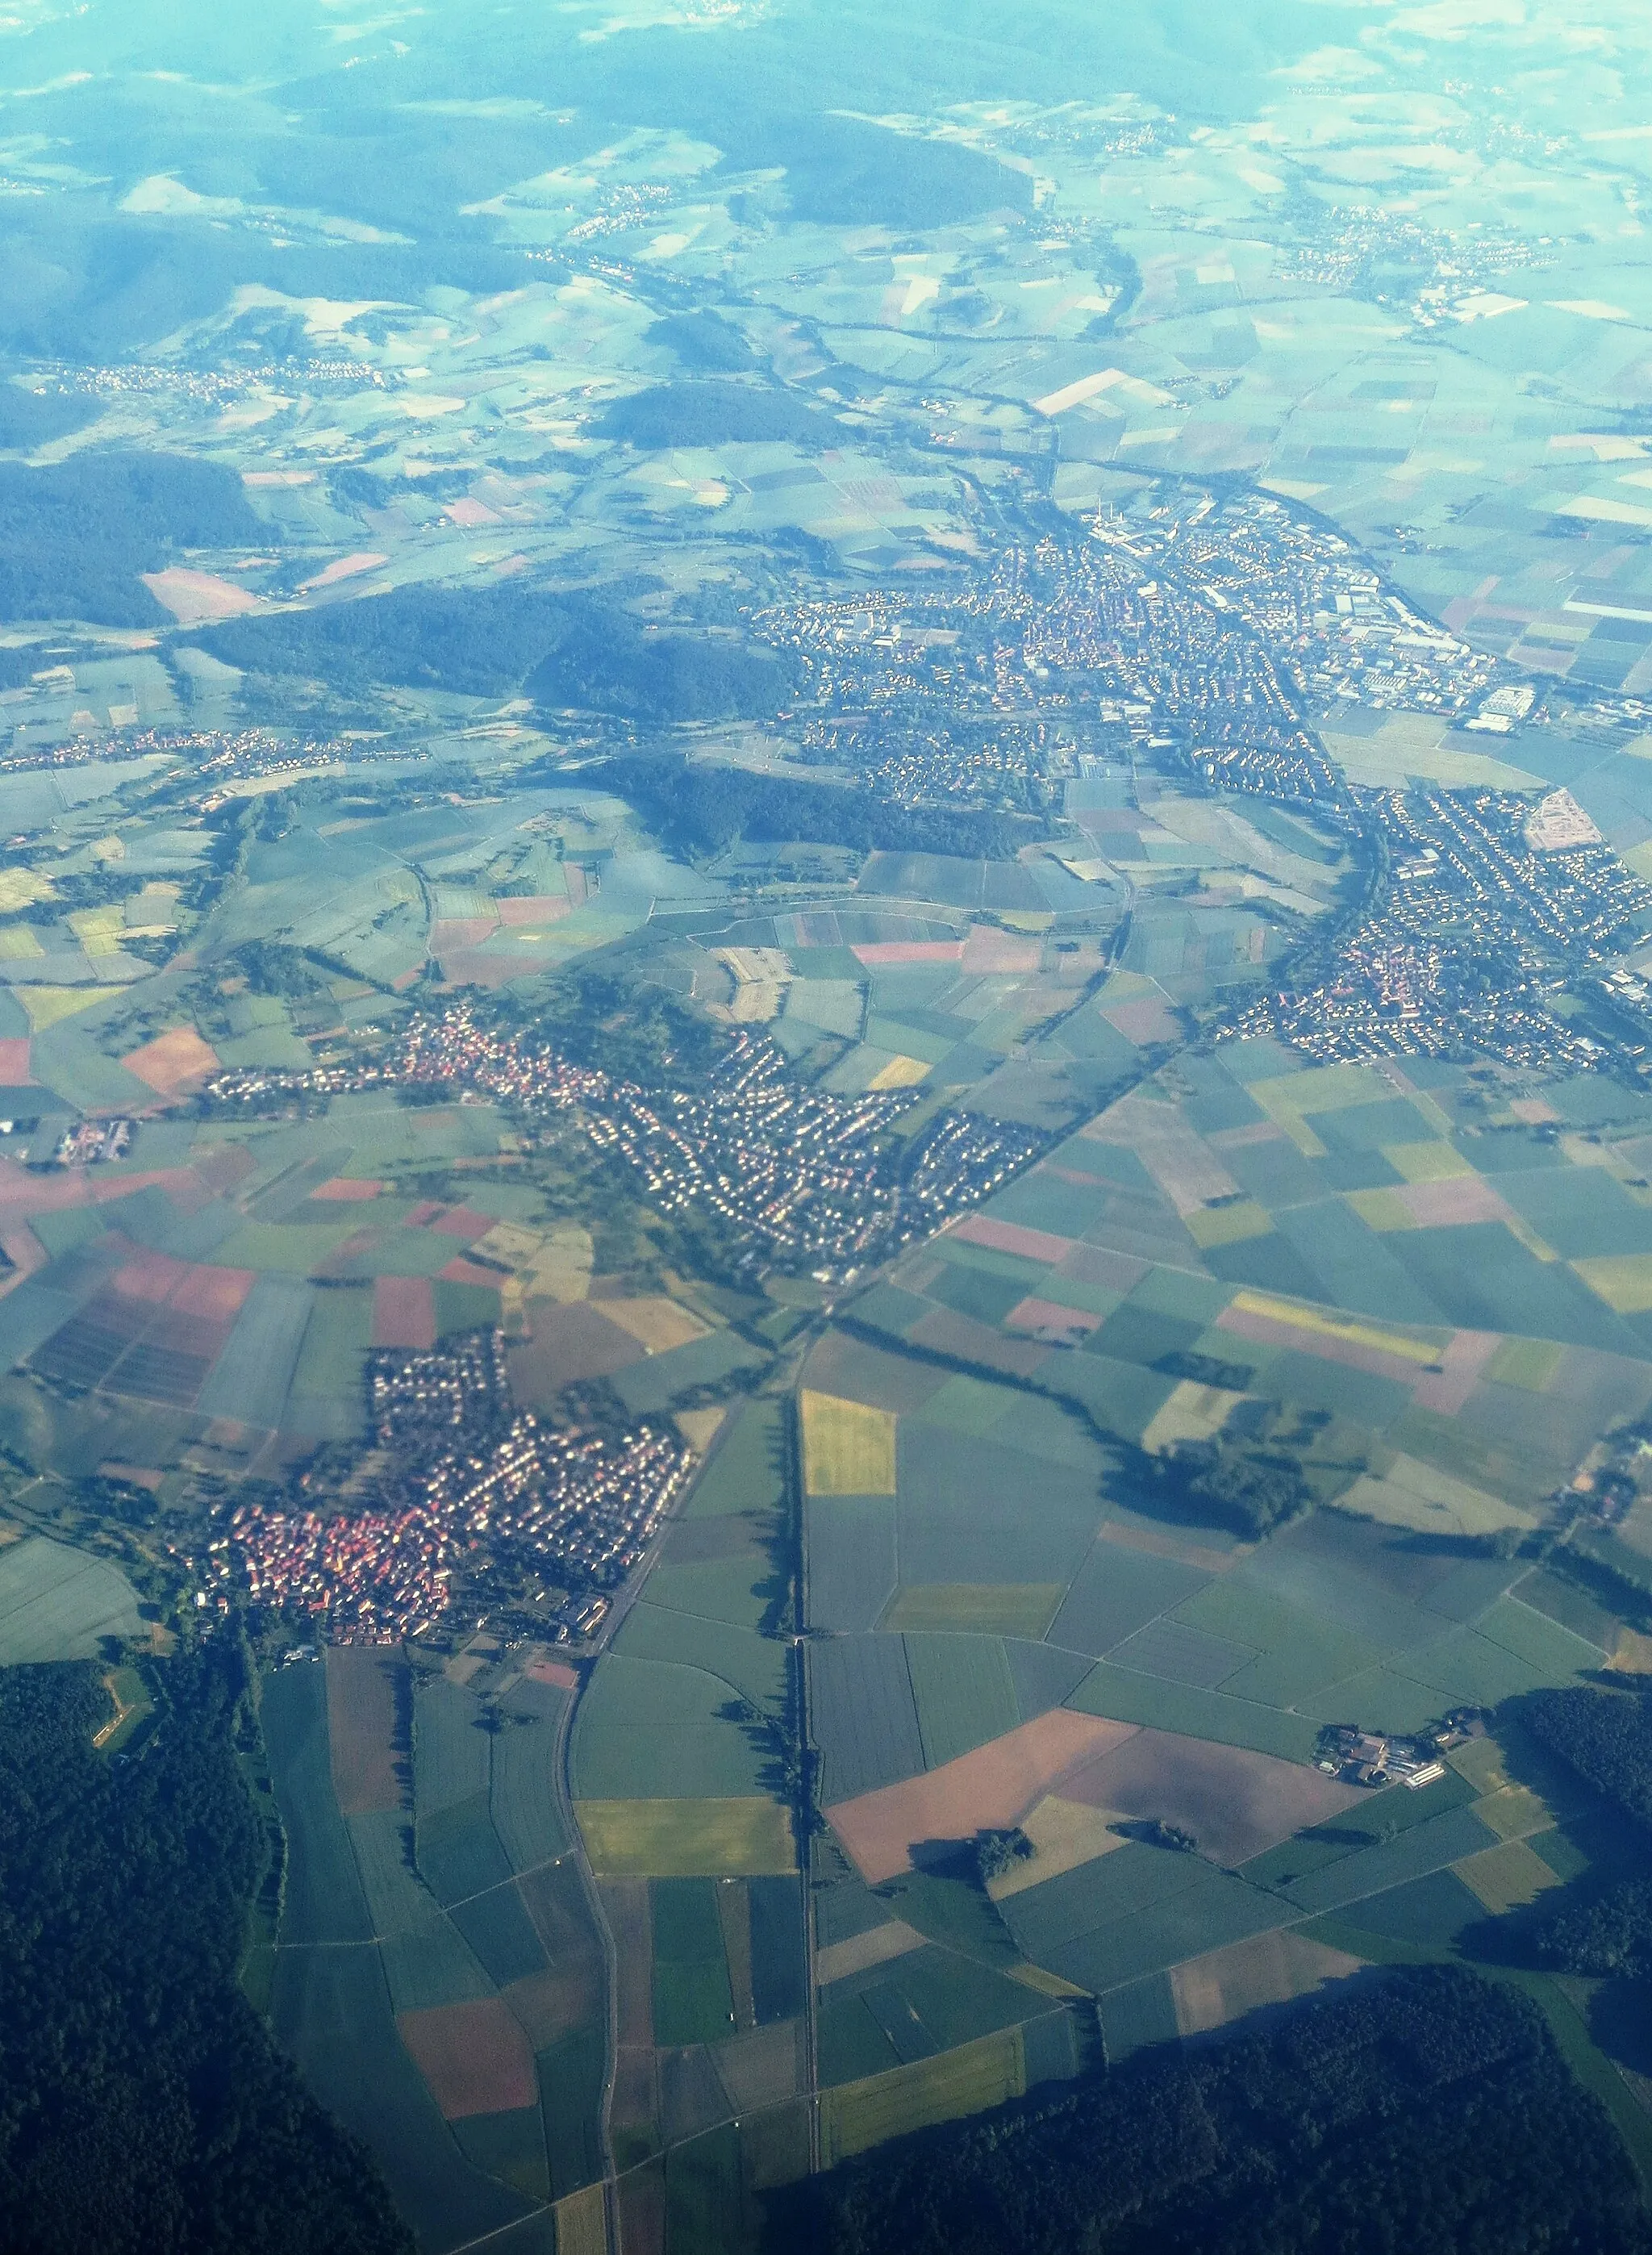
469, 966
1459, 1198
151, 1276
535, 908
458, 1221
1100, 1264
14, 1061
571, 1341
987, 951
175, 1064
571, 1991
1235, 1802
344, 1189
216, 1294
462, 1271
1464, 1362
403, 1312
875, 952
1166, 1545
643, 2211
1010, 1237
943, 1332
994, 1786
1143, 1023
450, 933
363, 1681
625, 1904
22, 1193
1242, 1139
474, 2057
223, 1167
855, 1372
1268, 1968
556, 2002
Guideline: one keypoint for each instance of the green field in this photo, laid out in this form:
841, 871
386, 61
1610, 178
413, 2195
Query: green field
58, 1603
346, 1882
908, 2098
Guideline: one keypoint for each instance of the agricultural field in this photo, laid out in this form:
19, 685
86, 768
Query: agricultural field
428, 1846
1037, 1633
935, 598
679, 1767
59, 1604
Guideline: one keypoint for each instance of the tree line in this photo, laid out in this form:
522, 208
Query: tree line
1427, 2112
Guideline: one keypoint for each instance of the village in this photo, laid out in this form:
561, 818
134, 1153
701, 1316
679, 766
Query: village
465, 1510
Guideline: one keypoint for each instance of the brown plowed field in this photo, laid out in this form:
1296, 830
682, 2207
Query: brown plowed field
403, 1312
474, 2057
994, 1786
1234, 1802
362, 1683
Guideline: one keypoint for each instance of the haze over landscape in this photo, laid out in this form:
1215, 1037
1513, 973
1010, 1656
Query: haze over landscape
826, 1128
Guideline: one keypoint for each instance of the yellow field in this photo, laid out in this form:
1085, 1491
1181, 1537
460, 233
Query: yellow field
900, 1073
1623, 1281
1382, 1210
1506, 1878
100, 931
20, 888
582, 2223
656, 1323
1339, 1327
699, 1427
1191, 1413
18, 943
1212, 1226
988, 1608
686, 1839
978, 2075
879, 1945
849, 1447
761, 976
1064, 1834
1632, 1654
1046, 1983
47, 1005
509, 1242
1427, 1163
561, 1268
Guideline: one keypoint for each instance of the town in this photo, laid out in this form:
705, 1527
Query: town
1491, 908
1206, 634
803, 1181
511, 1517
